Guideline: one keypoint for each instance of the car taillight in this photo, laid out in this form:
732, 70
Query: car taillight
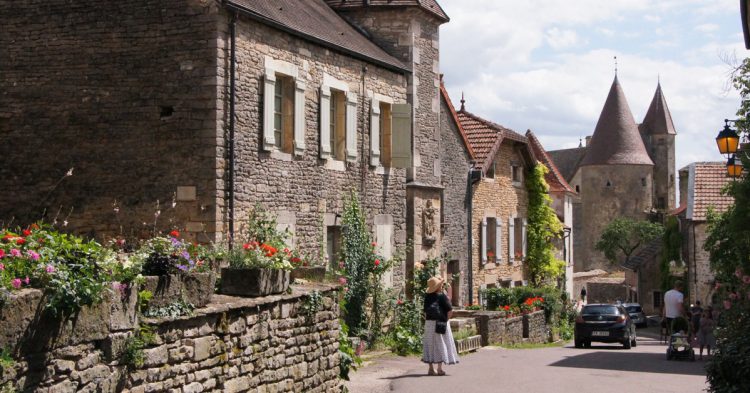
579, 319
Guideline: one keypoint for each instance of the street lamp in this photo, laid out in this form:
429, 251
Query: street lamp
728, 141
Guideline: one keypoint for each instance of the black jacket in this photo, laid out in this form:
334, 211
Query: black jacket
436, 307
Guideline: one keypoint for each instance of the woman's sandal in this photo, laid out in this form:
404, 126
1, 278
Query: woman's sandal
431, 372
441, 373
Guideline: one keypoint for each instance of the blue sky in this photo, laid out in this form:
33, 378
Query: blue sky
547, 65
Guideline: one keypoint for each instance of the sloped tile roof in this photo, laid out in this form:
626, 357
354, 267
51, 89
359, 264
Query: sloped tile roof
454, 117
314, 20
616, 139
430, 6
705, 182
658, 119
567, 160
645, 255
485, 137
554, 179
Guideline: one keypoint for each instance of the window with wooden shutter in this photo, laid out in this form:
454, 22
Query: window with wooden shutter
518, 238
511, 240
325, 122
381, 130
484, 241
299, 117
283, 108
337, 125
375, 127
401, 153
386, 133
523, 238
498, 239
333, 118
351, 127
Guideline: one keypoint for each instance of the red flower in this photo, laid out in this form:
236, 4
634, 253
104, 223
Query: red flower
400, 302
246, 246
2, 253
174, 234
374, 244
377, 262
8, 237
296, 260
34, 226
26, 232
20, 241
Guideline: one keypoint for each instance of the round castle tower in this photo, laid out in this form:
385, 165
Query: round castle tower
616, 177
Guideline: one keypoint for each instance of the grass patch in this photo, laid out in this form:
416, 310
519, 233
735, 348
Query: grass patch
534, 345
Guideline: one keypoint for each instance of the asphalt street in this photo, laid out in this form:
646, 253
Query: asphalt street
602, 368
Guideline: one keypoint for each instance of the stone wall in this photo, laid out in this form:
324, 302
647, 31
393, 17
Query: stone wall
701, 281
608, 192
455, 160
496, 329
306, 192
499, 198
122, 92
535, 327
606, 292
231, 345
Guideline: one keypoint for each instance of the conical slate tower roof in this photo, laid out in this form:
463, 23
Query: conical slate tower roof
616, 140
658, 120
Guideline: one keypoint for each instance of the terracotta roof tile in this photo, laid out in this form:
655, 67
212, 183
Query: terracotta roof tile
554, 179
485, 137
430, 6
706, 181
314, 20
616, 139
567, 160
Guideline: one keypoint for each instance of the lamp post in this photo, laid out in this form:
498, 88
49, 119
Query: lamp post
728, 142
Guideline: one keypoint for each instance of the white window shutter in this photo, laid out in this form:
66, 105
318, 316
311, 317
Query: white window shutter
299, 118
269, 83
325, 122
512, 283
523, 238
351, 126
375, 132
498, 239
511, 239
484, 240
401, 135
524, 283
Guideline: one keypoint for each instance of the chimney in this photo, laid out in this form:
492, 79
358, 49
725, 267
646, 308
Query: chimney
588, 140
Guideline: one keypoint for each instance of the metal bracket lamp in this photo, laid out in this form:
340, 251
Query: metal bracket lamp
728, 142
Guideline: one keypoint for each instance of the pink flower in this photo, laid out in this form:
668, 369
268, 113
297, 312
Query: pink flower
16, 282
2, 253
718, 285
727, 304
15, 252
738, 273
377, 262
2, 267
342, 280
33, 255
746, 279
341, 264
374, 244
26, 281
50, 269
733, 296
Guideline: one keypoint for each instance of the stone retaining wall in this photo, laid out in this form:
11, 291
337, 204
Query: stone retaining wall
231, 345
535, 327
496, 329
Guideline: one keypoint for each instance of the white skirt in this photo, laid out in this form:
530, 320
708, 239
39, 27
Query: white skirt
438, 348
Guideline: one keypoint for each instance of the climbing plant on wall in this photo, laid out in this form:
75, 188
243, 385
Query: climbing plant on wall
543, 226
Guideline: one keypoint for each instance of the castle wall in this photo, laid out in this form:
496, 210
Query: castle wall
608, 192
661, 149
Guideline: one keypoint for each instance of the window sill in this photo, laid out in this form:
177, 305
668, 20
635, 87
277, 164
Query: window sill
335, 165
280, 155
517, 184
382, 170
488, 179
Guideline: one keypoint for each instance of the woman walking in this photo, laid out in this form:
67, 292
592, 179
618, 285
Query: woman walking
437, 342
706, 333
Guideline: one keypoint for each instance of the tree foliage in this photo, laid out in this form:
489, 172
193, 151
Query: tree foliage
623, 236
543, 226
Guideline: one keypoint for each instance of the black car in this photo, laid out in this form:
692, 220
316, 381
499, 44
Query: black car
608, 323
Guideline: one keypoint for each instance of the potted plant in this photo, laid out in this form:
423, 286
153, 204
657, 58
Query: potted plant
261, 266
467, 340
174, 270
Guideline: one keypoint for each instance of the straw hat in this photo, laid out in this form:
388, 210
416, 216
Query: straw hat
434, 283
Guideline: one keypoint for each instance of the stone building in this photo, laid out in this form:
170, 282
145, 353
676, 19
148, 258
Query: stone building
562, 195
186, 114
700, 190
625, 170
499, 202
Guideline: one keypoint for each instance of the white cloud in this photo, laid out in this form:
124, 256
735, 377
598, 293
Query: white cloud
707, 28
652, 18
561, 39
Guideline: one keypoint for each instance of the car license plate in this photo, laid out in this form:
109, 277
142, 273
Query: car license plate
599, 333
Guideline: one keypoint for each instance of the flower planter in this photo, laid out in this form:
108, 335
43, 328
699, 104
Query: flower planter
253, 282
193, 288
310, 273
469, 344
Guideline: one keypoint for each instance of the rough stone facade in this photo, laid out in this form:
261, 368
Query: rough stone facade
305, 192
232, 345
456, 161
608, 192
122, 92
701, 281
499, 198
496, 329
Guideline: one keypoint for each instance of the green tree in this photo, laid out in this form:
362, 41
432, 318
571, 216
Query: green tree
623, 236
543, 226
728, 244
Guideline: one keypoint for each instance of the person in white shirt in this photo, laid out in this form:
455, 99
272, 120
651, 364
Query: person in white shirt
673, 305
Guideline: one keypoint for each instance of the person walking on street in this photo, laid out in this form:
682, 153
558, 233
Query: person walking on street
696, 313
583, 295
437, 342
706, 336
673, 305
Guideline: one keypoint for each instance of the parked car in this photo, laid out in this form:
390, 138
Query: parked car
607, 323
636, 314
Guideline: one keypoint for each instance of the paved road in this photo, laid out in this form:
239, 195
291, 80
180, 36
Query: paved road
602, 368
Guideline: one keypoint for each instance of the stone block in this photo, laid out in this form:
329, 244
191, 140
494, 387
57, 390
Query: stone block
193, 288
194, 387
202, 348
155, 356
236, 385
123, 313
253, 282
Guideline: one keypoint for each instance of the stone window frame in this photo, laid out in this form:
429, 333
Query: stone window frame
484, 233
326, 150
512, 254
272, 67
400, 130
516, 174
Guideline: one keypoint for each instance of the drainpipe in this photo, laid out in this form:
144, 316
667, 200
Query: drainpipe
473, 176
232, 66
